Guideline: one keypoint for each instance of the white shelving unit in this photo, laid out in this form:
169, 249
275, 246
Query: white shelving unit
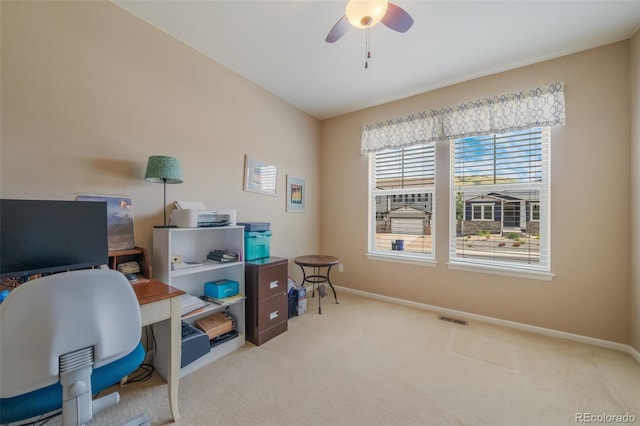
193, 245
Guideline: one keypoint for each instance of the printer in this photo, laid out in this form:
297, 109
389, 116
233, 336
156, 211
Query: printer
201, 217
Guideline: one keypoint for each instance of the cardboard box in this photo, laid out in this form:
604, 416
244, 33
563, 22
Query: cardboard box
216, 324
302, 300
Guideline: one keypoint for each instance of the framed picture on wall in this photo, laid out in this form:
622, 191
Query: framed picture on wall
296, 192
260, 176
120, 230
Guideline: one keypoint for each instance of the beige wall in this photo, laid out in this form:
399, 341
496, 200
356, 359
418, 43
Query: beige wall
634, 334
89, 92
590, 204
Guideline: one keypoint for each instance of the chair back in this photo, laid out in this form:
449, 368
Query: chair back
53, 315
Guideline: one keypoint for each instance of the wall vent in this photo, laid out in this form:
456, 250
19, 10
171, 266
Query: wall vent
453, 320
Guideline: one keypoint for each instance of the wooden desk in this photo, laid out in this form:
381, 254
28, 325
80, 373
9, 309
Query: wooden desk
317, 262
160, 302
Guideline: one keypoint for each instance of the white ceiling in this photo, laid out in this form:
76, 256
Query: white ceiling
280, 45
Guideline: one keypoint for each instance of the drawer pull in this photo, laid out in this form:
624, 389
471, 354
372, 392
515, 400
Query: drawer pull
273, 284
273, 315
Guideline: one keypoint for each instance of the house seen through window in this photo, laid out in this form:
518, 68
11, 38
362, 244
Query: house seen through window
500, 200
402, 201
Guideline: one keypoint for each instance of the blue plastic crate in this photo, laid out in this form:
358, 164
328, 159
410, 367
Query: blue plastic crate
257, 245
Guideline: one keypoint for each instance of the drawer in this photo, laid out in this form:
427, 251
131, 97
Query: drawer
273, 311
272, 281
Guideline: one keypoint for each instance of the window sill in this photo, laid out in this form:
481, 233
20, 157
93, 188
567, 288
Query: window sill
404, 258
496, 270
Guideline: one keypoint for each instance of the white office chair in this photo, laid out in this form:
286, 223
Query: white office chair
63, 338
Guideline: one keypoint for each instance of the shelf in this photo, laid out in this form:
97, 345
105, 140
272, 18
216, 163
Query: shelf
192, 245
141, 279
217, 352
210, 307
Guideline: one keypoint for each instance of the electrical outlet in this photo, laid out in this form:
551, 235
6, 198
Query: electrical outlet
340, 267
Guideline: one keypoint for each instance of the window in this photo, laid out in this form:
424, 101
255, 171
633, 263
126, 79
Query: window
500, 201
535, 212
499, 183
482, 212
402, 201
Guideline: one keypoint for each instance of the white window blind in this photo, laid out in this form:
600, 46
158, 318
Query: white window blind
402, 201
500, 200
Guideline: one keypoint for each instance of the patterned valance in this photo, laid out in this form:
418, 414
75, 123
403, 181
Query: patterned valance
539, 107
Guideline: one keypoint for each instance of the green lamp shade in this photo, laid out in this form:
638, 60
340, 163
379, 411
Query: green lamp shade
162, 169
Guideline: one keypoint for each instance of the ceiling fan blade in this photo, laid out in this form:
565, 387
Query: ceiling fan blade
338, 30
397, 19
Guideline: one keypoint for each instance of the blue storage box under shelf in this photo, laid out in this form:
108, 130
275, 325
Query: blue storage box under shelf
257, 245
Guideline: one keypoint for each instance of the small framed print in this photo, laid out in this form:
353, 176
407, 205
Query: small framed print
296, 193
259, 176
119, 220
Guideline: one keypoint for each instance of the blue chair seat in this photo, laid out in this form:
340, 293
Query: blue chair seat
49, 398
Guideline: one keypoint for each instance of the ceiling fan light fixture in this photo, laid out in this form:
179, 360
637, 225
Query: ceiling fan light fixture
366, 13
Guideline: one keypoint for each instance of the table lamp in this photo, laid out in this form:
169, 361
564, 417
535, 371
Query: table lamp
163, 169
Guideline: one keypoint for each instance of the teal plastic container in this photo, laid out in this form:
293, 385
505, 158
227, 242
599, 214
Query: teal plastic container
257, 245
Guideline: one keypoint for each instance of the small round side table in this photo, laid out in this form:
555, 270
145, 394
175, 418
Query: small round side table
317, 263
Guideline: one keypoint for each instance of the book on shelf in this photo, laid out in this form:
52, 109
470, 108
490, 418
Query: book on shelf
223, 256
223, 338
220, 260
225, 300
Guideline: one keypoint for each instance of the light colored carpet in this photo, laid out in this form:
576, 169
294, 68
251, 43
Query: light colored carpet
368, 362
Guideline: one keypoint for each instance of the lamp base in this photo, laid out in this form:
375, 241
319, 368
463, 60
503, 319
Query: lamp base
165, 226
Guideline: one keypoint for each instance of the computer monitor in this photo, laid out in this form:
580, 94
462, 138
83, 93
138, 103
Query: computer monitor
48, 236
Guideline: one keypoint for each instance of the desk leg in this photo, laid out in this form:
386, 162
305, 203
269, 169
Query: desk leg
174, 357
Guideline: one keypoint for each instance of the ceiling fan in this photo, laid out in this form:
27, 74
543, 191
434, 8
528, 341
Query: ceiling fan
367, 13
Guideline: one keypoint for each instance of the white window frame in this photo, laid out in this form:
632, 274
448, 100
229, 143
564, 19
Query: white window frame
423, 259
531, 218
540, 271
483, 209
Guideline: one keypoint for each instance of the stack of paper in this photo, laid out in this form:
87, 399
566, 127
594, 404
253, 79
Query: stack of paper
184, 265
229, 299
190, 303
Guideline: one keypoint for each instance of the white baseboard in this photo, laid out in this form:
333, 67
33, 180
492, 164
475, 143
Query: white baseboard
496, 321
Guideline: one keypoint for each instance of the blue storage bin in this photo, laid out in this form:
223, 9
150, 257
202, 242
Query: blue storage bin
221, 288
255, 226
257, 245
